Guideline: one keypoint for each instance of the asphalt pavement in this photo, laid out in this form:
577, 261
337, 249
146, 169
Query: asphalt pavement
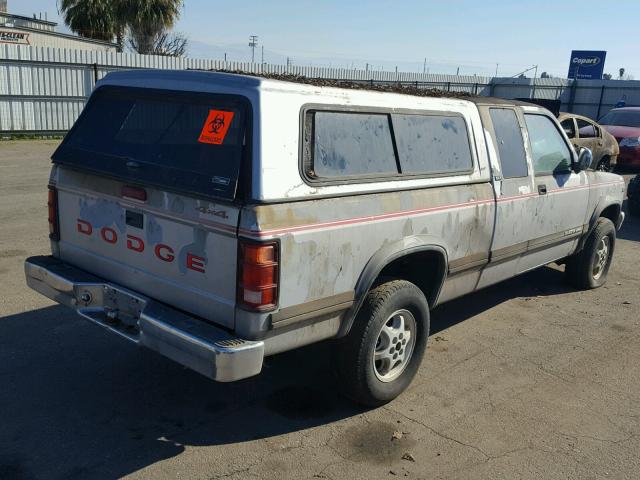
528, 379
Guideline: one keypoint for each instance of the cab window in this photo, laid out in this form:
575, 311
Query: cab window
550, 153
510, 144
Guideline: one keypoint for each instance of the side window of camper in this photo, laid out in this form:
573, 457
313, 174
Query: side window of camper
355, 145
352, 144
432, 144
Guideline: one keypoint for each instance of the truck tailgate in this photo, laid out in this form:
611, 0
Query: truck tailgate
147, 182
174, 248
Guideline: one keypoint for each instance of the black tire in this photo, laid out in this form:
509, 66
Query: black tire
581, 267
354, 365
604, 165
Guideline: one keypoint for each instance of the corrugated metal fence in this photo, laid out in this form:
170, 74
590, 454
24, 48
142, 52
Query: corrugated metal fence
43, 90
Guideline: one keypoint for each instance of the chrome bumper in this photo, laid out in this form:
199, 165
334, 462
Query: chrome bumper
193, 343
620, 221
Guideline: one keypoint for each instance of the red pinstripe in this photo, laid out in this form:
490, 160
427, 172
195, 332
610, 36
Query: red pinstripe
418, 211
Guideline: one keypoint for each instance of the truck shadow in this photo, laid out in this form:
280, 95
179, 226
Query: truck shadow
92, 406
78, 403
545, 281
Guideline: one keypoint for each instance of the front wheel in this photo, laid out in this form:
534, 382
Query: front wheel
589, 267
604, 165
381, 354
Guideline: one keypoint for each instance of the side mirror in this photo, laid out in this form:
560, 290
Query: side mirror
585, 157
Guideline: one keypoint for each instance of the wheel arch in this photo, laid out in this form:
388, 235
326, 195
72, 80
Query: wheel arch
388, 262
611, 211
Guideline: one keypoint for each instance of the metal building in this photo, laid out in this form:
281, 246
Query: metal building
39, 32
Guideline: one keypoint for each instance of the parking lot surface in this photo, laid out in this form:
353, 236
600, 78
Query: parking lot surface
528, 379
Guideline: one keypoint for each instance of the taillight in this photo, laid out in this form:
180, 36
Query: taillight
258, 275
52, 203
135, 193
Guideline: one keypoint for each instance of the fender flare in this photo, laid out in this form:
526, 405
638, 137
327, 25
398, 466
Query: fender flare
383, 257
597, 213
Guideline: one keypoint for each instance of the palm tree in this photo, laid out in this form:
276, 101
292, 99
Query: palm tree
106, 19
90, 18
147, 19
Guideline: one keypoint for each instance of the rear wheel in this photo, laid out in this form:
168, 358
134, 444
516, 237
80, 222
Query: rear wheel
589, 267
381, 354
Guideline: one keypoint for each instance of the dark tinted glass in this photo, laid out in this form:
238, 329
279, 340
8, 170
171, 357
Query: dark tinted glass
623, 118
347, 144
569, 127
432, 143
174, 140
510, 143
550, 152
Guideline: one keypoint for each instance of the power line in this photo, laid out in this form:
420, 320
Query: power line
253, 43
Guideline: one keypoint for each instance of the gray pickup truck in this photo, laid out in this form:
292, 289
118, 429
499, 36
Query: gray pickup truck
218, 219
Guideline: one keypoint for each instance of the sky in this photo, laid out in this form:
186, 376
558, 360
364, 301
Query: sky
470, 35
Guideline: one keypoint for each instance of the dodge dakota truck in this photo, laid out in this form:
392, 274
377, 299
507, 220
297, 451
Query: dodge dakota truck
219, 218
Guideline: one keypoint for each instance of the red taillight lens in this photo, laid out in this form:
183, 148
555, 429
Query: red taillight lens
52, 203
258, 275
135, 193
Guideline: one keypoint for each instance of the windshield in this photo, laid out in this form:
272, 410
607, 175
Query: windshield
176, 140
622, 118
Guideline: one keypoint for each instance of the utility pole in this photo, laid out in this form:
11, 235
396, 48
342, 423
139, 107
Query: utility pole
253, 43
424, 65
225, 57
262, 55
458, 71
497, 64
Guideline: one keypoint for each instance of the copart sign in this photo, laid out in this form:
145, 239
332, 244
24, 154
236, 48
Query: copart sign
587, 65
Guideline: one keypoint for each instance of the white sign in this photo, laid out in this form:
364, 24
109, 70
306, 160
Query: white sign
18, 38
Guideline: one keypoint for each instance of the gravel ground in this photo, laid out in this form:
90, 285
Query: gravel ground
527, 379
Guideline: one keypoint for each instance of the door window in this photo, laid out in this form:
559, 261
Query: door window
510, 143
587, 129
569, 127
549, 151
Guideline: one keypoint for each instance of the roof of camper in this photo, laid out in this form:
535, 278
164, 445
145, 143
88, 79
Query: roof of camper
272, 80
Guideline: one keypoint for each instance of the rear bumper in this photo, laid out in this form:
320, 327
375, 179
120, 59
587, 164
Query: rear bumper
189, 341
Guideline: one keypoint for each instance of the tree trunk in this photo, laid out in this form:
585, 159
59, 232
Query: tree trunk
120, 39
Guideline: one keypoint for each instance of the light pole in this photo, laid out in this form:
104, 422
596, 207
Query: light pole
253, 43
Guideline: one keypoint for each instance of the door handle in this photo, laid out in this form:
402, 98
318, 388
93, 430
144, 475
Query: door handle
542, 189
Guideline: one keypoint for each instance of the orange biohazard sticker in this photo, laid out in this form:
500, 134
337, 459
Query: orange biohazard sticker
216, 127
